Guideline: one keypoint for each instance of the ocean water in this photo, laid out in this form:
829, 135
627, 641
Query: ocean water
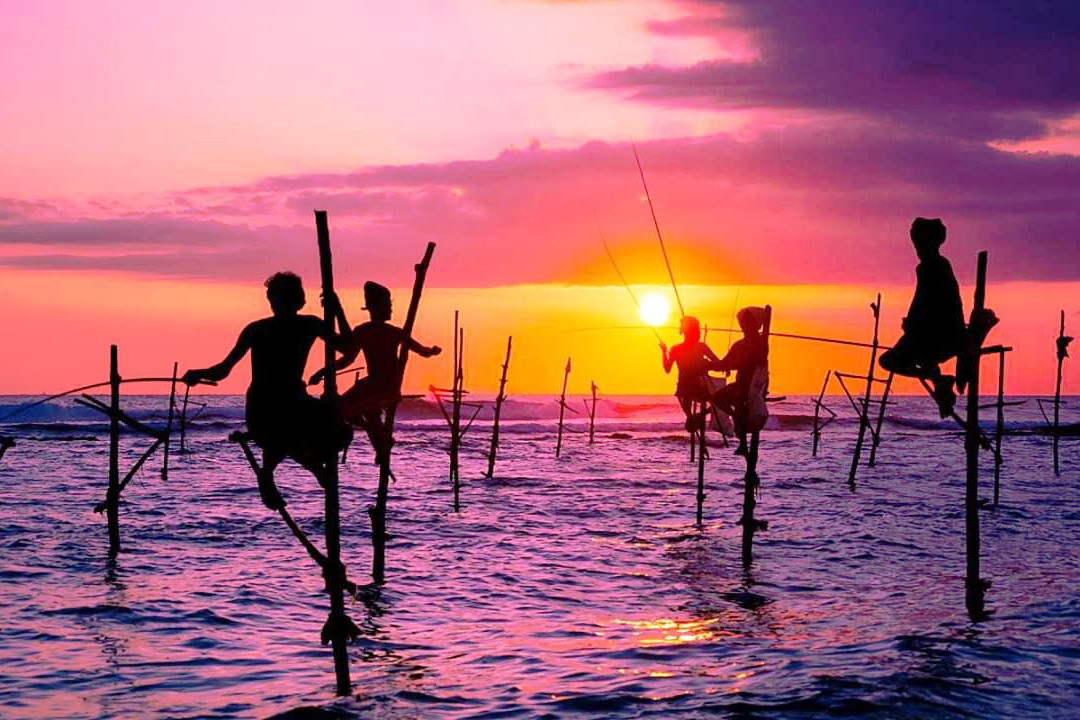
569, 588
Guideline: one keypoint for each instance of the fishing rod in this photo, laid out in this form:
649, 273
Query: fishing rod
30, 406
622, 278
659, 236
772, 333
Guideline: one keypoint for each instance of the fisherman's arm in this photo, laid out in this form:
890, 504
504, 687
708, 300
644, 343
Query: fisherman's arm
733, 359
667, 358
423, 350
216, 373
711, 361
349, 346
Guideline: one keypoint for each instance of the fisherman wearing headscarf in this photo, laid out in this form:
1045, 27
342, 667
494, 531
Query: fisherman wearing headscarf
379, 341
745, 358
934, 328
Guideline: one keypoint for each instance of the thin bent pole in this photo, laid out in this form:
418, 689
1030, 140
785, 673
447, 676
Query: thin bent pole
864, 411
499, 399
659, 235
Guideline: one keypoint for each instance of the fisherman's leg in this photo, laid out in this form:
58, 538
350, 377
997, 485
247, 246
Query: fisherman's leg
267, 487
687, 405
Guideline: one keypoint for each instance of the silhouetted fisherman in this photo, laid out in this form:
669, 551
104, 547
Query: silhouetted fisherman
363, 403
281, 417
934, 327
744, 358
694, 359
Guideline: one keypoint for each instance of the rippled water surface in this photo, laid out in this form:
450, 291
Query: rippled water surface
577, 587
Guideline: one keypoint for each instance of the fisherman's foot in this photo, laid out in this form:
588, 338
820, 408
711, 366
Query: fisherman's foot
944, 395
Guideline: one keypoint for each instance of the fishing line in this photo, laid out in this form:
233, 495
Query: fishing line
660, 237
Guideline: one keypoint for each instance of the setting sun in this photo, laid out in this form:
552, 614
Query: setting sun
654, 309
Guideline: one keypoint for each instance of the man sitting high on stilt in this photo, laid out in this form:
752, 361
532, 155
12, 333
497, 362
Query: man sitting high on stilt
694, 359
744, 358
363, 403
281, 417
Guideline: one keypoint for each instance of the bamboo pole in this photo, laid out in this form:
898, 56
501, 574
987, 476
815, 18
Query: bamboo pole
455, 418
700, 413
999, 428
749, 523
1062, 353
377, 512
112, 507
864, 414
183, 420
499, 399
974, 584
169, 423
817, 413
592, 415
875, 440
562, 409
337, 624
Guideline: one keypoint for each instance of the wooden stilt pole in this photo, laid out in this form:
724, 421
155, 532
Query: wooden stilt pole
817, 413
700, 413
112, 507
455, 423
377, 512
1062, 353
169, 423
562, 409
876, 439
183, 419
592, 415
975, 585
499, 399
749, 523
337, 623
999, 428
864, 414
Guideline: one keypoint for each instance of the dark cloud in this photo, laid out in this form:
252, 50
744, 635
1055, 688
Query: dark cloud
977, 69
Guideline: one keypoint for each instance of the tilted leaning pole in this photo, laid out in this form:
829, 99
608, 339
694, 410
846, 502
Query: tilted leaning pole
499, 400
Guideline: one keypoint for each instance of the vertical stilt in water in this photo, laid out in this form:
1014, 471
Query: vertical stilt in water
876, 439
1062, 343
999, 428
562, 409
864, 415
338, 622
817, 412
112, 508
168, 424
751, 481
183, 420
700, 411
455, 424
975, 586
499, 399
377, 512
592, 416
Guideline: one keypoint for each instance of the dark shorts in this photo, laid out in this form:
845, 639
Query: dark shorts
296, 425
911, 352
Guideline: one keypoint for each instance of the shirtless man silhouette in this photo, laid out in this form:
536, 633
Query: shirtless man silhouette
281, 417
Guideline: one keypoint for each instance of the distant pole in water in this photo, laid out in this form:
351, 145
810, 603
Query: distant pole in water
975, 586
591, 409
818, 407
562, 409
169, 423
112, 505
457, 390
335, 630
700, 411
751, 481
1062, 353
377, 513
499, 400
1000, 405
875, 438
864, 411
183, 419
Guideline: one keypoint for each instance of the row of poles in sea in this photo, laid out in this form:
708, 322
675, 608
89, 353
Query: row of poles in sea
339, 629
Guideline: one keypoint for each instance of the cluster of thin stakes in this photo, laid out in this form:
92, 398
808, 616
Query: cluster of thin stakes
284, 422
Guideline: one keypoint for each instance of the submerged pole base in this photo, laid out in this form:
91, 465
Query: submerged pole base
378, 545
975, 598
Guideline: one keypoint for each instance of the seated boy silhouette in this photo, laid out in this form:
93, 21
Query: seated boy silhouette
694, 359
744, 358
380, 342
934, 328
281, 417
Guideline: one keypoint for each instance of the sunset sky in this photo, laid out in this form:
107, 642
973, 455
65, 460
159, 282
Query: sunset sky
159, 160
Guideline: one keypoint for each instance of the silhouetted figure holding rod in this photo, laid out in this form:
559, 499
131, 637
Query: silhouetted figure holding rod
281, 417
934, 327
362, 404
694, 359
744, 358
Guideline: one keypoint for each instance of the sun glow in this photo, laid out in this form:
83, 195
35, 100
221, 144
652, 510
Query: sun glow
654, 309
